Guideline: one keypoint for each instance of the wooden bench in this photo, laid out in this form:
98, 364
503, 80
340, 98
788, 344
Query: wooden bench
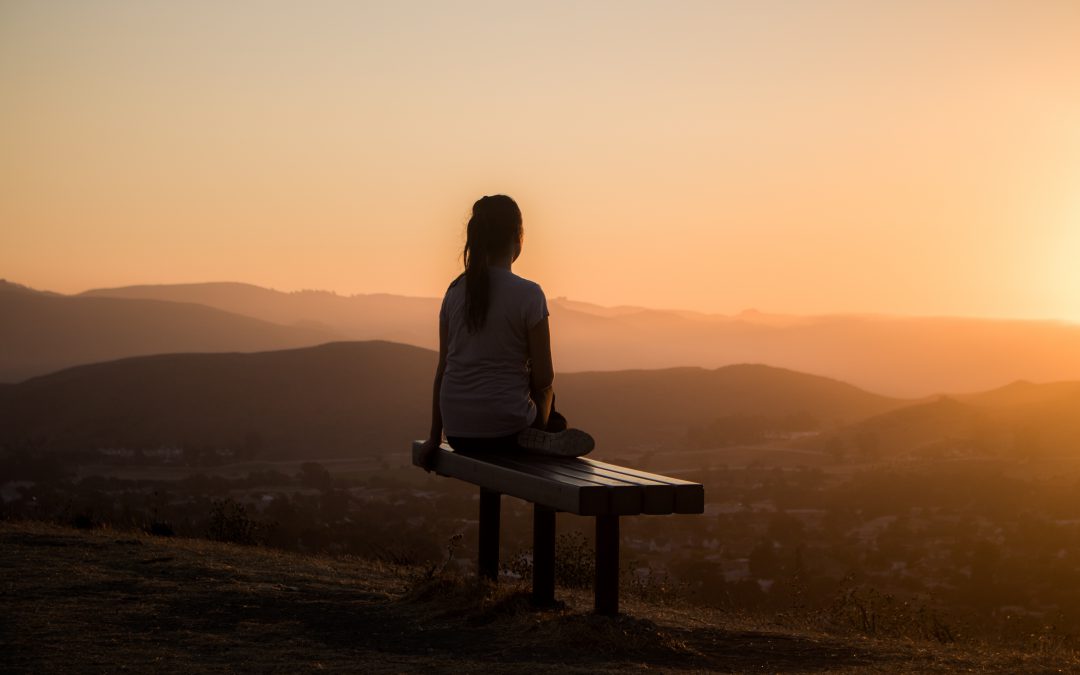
573, 485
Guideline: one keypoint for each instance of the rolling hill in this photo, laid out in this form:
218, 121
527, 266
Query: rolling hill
336, 399
370, 398
641, 408
376, 316
1020, 421
42, 332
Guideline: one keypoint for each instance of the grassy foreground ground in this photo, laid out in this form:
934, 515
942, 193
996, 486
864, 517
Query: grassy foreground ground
96, 601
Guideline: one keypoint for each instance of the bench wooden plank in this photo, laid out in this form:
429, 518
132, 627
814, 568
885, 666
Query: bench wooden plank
621, 499
581, 498
625, 491
624, 498
656, 498
689, 497
684, 496
635, 472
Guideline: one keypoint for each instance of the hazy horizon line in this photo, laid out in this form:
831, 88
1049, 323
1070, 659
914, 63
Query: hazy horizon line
564, 298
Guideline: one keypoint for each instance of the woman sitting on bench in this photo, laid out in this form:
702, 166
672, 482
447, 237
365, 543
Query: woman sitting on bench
492, 388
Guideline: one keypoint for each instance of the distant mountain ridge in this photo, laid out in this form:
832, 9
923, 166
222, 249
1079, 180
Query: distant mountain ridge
907, 357
42, 332
901, 356
376, 316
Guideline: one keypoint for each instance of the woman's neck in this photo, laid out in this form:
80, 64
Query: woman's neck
502, 261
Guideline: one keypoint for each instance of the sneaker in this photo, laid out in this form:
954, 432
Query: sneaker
568, 443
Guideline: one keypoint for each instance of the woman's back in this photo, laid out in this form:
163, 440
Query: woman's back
493, 385
485, 387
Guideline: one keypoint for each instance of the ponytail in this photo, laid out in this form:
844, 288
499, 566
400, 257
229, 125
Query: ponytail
495, 226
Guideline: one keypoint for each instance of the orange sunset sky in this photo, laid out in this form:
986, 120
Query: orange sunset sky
915, 157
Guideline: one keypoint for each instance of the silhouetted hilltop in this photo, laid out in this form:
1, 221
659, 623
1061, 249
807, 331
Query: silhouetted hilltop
376, 316
12, 287
1021, 420
913, 429
1024, 393
370, 398
639, 407
42, 332
331, 400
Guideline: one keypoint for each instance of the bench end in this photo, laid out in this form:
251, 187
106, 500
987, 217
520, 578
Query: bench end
416, 445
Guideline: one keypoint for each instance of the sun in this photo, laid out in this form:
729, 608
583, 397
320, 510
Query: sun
1064, 261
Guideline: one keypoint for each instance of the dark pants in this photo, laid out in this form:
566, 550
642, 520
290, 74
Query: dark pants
556, 422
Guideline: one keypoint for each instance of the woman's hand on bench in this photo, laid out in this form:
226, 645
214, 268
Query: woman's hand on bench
426, 458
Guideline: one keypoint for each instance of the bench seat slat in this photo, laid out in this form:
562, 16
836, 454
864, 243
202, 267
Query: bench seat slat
689, 497
596, 468
624, 499
637, 473
575, 485
581, 499
656, 498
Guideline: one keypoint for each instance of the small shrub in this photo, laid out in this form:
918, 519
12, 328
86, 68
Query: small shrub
437, 568
874, 613
85, 521
160, 528
575, 562
650, 584
230, 522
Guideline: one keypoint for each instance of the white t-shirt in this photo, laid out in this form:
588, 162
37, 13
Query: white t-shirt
485, 387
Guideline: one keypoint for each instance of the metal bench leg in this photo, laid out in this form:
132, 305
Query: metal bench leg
607, 565
488, 557
543, 556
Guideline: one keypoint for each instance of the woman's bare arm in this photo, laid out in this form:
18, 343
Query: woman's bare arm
542, 372
435, 435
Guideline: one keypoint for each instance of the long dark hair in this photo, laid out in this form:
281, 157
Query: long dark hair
494, 229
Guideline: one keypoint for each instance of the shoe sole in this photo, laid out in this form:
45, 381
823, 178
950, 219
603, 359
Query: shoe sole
568, 443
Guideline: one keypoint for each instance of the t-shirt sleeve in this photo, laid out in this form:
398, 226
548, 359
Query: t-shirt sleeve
444, 308
535, 306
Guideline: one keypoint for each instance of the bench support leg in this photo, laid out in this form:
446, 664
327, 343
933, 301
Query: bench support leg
607, 565
488, 557
543, 556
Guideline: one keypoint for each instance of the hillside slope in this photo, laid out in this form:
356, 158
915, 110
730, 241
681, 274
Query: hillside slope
642, 407
181, 605
372, 316
331, 400
1022, 420
370, 398
43, 332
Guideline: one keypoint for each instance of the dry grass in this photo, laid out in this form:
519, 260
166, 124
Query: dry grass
107, 601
